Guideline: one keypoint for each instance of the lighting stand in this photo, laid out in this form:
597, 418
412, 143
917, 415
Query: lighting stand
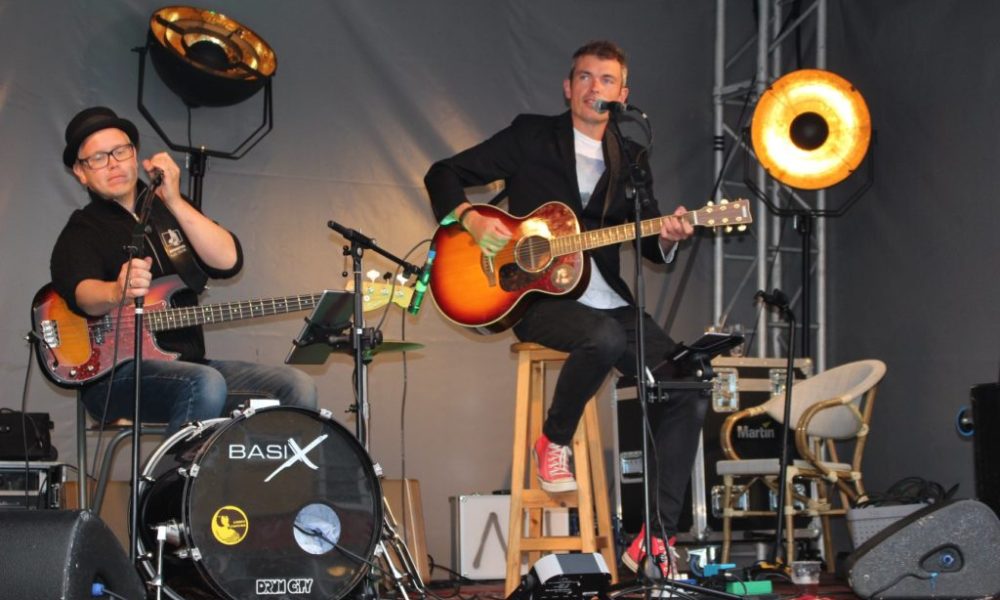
198, 155
804, 220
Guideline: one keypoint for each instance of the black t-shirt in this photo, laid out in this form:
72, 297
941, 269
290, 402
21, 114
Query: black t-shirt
93, 244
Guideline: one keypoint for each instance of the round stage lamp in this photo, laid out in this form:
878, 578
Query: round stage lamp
207, 58
811, 129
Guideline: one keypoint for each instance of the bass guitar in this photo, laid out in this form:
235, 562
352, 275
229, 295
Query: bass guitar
543, 257
75, 350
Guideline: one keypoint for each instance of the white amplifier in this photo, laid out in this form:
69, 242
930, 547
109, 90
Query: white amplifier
480, 524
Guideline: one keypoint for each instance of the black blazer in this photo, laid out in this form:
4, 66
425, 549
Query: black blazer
536, 158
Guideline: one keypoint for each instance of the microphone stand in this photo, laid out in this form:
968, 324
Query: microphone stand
779, 301
361, 339
636, 190
134, 250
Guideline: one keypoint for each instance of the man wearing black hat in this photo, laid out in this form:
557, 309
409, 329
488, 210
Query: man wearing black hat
91, 270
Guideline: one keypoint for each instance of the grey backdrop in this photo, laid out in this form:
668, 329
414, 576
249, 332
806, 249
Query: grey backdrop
368, 94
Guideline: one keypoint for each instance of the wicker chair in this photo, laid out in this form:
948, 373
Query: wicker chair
833, 408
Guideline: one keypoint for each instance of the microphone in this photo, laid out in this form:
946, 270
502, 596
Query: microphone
616, 108
422, 280
352, 235
157, 179
776, 298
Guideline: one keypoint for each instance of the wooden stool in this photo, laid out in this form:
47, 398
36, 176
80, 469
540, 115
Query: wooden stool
591, 494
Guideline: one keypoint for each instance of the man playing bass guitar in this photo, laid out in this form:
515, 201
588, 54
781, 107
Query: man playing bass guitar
91, 271
572, 158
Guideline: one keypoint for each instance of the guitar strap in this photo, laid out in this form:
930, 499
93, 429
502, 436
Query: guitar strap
613, 161
177, 248
501, 195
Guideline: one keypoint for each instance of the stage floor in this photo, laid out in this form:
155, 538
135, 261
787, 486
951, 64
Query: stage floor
829, 588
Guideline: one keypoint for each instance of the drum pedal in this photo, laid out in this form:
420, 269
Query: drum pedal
171, 532
157, 581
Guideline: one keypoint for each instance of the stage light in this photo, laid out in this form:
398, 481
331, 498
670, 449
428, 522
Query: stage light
811, 129
207, 58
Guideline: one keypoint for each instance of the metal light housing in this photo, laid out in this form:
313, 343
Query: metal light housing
207, 58
811, 129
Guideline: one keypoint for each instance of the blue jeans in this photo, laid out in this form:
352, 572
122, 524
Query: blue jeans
177, 392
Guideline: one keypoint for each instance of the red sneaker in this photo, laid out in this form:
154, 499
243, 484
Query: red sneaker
664, 554
553, 466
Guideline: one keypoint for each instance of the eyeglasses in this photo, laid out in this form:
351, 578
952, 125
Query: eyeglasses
99, 160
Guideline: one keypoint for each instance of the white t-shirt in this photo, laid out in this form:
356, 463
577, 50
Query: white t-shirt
589, 168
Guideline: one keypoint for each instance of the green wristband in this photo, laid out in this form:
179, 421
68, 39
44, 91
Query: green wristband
461, 219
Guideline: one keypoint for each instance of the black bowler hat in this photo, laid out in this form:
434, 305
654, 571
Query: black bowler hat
91, 120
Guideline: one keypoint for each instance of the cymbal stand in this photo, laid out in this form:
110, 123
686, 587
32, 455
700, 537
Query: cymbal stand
391, 544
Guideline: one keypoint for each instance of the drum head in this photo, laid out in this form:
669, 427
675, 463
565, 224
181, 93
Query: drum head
283, 503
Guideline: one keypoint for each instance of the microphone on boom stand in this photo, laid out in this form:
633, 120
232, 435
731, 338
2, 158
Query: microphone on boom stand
778, 300
422, 283
775, 298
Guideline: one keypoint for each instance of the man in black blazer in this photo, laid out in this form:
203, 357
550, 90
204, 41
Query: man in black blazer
572, 158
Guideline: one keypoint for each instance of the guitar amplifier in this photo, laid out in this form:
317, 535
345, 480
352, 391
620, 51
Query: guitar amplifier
739, 383
40, 485
480, 527
19, 431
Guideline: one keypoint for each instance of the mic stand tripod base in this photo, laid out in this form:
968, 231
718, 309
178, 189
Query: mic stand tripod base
650, 574
663, 587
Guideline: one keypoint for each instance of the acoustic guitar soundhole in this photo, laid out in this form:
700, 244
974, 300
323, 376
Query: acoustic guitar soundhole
533, 253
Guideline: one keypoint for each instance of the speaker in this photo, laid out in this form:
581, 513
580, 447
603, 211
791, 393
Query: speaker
986, 442
61, 554
947, 550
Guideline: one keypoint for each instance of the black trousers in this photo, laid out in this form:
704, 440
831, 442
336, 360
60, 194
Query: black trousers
597, 342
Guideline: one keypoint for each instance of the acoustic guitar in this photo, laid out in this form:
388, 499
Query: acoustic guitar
545, 256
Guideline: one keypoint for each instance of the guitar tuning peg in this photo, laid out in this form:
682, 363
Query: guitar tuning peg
372, 275
729, 229
400, 279
723, 201
710, 203
741, 228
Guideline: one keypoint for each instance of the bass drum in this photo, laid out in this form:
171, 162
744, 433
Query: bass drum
279, 502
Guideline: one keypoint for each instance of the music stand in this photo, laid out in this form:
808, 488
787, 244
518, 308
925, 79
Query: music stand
697, 358
326, 330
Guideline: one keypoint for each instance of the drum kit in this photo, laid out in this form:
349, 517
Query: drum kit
276, 501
